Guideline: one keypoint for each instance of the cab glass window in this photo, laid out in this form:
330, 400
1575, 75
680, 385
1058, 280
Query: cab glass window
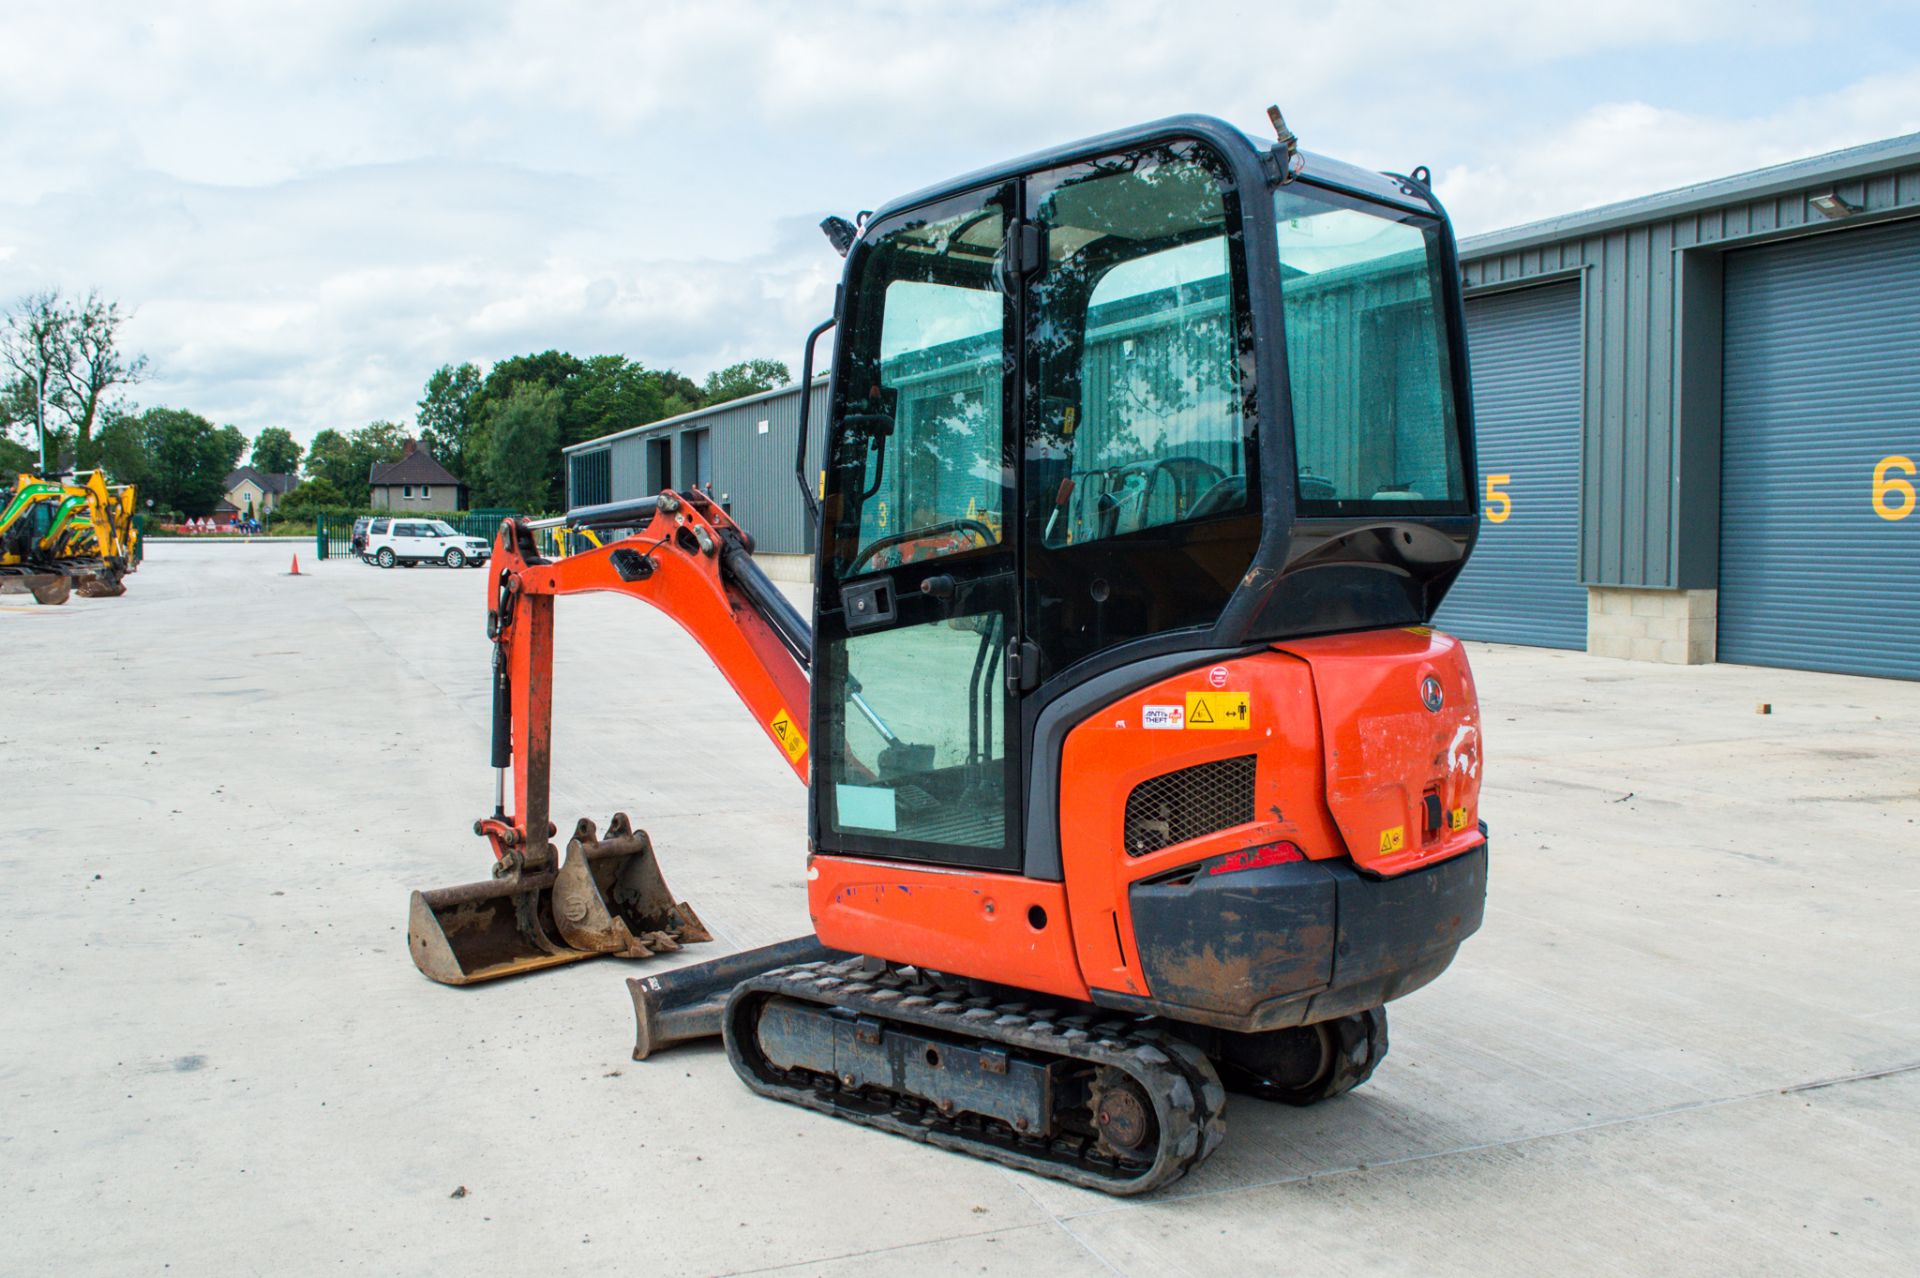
1136, 416
1374, 420
919, 469
1141, 499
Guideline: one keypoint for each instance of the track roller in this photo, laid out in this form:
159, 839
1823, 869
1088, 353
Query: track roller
1105, 1104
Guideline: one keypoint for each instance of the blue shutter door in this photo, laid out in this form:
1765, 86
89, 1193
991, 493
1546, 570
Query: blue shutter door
1523, 583
1821, 386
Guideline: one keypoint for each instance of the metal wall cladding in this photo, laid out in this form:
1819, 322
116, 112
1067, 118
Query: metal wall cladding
1821, 385
1522, 584
590, 477
751, 469
1652, 467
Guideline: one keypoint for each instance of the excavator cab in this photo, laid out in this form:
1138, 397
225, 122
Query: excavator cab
1163, 395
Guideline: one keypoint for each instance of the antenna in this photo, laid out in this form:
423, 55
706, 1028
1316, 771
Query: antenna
1291, 159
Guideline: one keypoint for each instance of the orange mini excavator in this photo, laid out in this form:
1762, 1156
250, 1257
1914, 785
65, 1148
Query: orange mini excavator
1135, 767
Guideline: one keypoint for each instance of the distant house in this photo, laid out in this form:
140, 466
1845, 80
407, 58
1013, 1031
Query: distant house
255, 492
415, 482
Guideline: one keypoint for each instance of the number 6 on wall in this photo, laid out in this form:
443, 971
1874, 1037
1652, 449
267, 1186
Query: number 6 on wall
1893, 499
1500, 505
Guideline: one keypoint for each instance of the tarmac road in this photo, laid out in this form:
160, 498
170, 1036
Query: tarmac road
1687, 1039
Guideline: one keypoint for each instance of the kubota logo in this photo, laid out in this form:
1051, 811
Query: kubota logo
1432, 696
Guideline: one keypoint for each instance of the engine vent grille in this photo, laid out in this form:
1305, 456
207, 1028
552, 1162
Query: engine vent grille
1178, 806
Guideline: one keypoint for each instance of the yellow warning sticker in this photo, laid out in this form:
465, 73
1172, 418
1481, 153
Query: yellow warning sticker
788, 734
1393, 840
1218, 710
1459, 819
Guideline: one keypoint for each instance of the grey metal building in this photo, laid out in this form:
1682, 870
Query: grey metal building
1699, 416
1698, 413
742, 449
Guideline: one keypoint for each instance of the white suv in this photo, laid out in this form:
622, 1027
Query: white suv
419, 541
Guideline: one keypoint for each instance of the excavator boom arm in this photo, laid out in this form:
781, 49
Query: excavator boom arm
690, 561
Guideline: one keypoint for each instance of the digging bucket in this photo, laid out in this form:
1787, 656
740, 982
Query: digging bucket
51, 589
610, 898
483, 931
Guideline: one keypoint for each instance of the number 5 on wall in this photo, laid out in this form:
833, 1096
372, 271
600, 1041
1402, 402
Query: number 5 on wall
1498, 504
1893, 499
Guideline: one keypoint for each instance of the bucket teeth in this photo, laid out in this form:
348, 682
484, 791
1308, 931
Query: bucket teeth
611, 898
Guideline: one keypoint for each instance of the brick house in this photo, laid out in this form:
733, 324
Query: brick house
416, 482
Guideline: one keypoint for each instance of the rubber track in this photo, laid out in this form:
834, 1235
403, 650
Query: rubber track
1188, 1100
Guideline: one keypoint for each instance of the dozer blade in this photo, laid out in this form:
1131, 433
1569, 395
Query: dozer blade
609, 897
486, 930
690, 1002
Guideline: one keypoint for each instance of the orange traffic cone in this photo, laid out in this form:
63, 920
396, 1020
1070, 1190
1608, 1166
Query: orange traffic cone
296, 567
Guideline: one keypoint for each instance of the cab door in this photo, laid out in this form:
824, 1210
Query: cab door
918, 593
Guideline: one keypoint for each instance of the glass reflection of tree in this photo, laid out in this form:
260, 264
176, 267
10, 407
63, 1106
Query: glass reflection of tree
1175, 392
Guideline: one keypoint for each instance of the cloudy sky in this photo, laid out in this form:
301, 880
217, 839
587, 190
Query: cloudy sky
309, 207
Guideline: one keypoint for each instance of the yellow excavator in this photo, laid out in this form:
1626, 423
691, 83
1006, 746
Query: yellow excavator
56, 538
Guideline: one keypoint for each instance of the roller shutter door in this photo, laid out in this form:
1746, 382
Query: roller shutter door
1822, 387
1523, 583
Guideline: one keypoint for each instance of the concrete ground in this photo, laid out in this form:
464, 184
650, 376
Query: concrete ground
1686, 1041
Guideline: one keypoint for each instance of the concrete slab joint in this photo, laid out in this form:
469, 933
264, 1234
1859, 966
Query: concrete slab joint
1677, 627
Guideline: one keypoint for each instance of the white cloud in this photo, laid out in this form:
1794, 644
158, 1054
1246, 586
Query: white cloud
1619, 150
310, 206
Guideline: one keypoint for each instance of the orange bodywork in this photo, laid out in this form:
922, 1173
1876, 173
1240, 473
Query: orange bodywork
1346, 752
994, 927
1386, 750
1366, 746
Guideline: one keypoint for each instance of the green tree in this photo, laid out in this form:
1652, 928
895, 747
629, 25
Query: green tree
330, 457
234, 443
682, 394
15, 459
597, 396
32, 338
552, 369
122, 442
613, 392
91, 366
189, 459
380, 441
523, 432
312, 496
449, 419
19, 434
345, 460
64, 361
276, 452
750, 377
